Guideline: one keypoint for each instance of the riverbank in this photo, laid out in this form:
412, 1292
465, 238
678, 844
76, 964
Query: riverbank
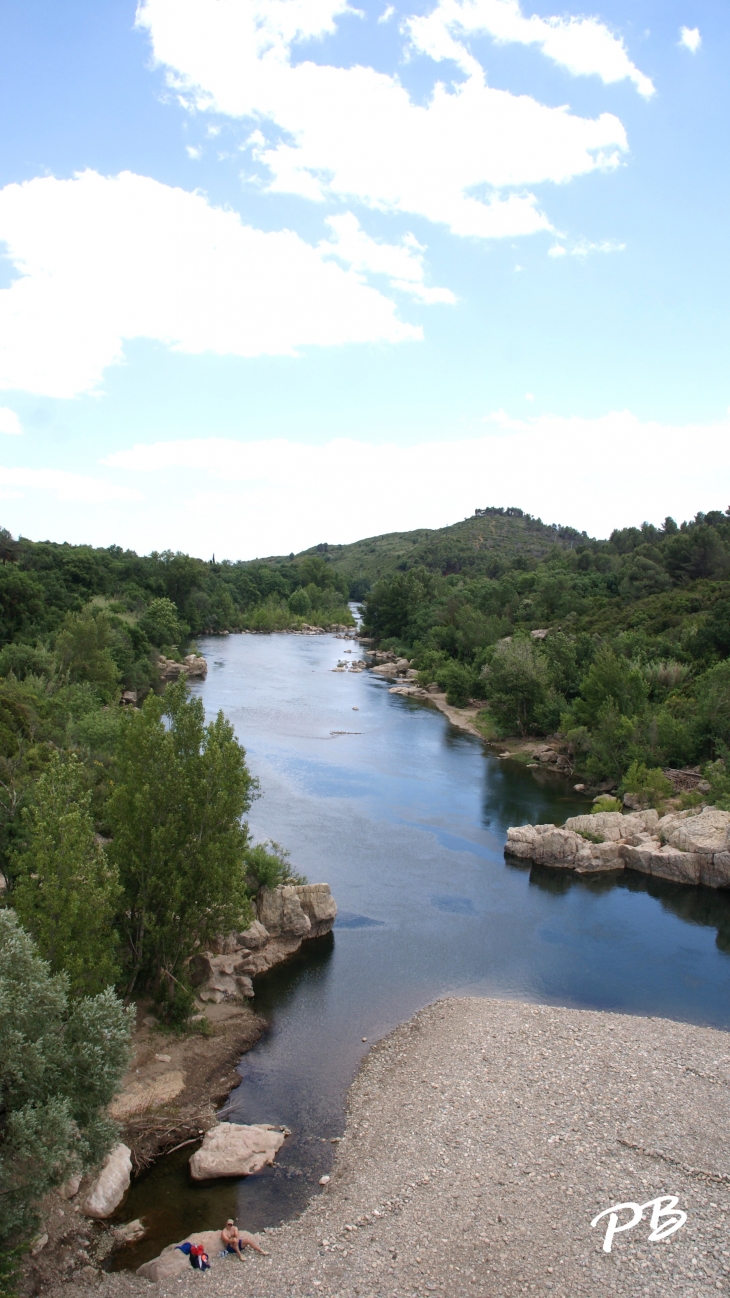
462, 718
483, 1137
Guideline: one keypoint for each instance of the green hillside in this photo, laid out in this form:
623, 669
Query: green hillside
483, 544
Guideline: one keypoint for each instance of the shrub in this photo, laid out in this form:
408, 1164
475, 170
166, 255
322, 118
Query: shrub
459, 681
299, 602
606, 803
60, 1064
267, 865
517, 685
160, 623
651, 786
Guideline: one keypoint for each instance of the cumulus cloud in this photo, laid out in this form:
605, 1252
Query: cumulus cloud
462, 158
102, 260
243, 499
583, 46
9, 422
401, 263
690, 38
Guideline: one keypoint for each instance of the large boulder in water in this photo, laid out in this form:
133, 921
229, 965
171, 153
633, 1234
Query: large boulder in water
234, 1149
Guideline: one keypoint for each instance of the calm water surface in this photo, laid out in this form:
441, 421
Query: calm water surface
406, 818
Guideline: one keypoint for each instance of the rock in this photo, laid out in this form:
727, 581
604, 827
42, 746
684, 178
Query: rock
111, 1184
138, 1097
163, 1059
386, 669
540, 634
579, 787
280, 911
432, 688
38, 1243
70, 1187
129, 1232
277, 949
324, 1180
172, 1263
614, 825
547, 845
706, 831
319, 905
129, 698
234, 1149
716, 874
663, 861
601, 856
149, 1021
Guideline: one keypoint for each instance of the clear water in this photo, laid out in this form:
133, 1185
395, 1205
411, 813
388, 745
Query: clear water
406, 819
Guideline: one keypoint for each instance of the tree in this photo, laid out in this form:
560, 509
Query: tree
82, 650
517, 685
299, 602
160, 622
181, 789
61, 1063
66, 892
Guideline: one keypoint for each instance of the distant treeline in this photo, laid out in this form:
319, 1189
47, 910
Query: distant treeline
634, 667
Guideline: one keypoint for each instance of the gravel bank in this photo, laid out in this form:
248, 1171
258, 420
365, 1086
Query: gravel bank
482, 1138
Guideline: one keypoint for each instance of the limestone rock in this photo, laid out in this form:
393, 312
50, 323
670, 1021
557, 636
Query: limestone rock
70, 1187
254, 937
235, 1149
716, 874
663, 861
319, 905
172, 1263
111, 1184
613, 825
138, 1097
280, 911
706, 831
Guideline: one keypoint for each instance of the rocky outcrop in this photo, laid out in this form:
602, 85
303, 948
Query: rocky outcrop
192, 665
235, 1149
686, 846
286, 917
111, 1185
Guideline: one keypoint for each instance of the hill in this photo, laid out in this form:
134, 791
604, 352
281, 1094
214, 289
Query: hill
488, 542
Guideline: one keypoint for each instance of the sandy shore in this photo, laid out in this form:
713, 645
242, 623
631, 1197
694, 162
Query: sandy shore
482, 1138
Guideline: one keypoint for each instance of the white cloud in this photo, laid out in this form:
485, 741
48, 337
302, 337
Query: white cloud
244, 499
463, 158
690, 38
63, 486
9, 422
583, 46
194, 151
584, 247
402, 263
102, 260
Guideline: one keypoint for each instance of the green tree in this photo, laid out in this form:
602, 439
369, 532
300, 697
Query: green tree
517, 685
61, 1063
612, 682
160, 622
299, 602
66, 892
83, 654
176, 812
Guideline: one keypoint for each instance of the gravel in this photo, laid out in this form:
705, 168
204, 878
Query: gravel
482, 1138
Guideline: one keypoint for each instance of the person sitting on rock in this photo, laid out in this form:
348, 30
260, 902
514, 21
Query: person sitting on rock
237, 1240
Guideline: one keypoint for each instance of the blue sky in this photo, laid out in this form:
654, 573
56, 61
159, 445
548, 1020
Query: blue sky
281, 271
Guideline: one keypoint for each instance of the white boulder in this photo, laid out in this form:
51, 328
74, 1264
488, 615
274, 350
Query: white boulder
235, 1149
111, 1184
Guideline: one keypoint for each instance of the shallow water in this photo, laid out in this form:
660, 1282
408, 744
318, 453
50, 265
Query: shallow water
406, 819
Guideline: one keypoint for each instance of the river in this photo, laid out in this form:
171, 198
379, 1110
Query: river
406, 817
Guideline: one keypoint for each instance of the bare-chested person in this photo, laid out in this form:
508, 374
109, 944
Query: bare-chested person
237, 1240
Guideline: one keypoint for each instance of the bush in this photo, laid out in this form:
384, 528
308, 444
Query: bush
267, 865
606, 803
459, 681
160, 623
23, 660
61, 1063
651, 786
82, 652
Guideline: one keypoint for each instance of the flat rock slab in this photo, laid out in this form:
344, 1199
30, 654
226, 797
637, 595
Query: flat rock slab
233, 1149
484, 1136
139, 1097
111, 1184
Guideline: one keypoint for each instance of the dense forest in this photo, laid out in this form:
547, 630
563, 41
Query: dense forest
621, 647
